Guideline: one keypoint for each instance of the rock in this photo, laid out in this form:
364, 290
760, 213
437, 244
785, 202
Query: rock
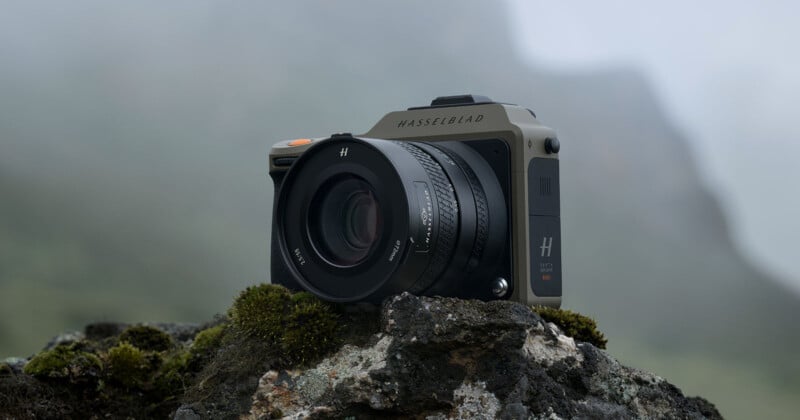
186, 413
442, 358
13, 364
68, 337
412, 357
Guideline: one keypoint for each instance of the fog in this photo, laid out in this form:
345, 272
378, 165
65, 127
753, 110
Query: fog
134, 137
726, 72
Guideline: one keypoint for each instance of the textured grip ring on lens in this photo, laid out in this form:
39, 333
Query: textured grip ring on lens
481, 204
448, 218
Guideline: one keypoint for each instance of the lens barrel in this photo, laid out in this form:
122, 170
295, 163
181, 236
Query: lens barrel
362, 219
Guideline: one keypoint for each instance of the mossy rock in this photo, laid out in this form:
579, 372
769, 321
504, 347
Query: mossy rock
171, 379
260, 311
146, 338
303, 297
299, 326
142, 370
65, 361
311, 331
575, 325
207, 340
129, 366
205, 346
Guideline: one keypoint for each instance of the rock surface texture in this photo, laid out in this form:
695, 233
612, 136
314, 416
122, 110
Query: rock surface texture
412, 357
440, 358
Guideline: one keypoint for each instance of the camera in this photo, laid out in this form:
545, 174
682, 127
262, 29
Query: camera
459, 198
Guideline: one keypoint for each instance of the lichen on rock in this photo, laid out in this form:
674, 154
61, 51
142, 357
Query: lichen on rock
473, 401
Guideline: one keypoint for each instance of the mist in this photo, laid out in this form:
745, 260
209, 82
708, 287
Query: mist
134, 187
726, 73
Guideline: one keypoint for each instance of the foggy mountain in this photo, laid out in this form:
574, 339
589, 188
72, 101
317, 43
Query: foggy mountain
133, 176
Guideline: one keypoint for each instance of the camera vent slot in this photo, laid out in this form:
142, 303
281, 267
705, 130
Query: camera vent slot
543, 191
545, 186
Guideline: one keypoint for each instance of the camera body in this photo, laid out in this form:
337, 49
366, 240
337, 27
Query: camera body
460, 198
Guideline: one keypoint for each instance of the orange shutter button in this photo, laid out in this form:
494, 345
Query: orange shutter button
299, 142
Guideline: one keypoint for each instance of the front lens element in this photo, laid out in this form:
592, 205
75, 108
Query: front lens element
361, 219
344, 220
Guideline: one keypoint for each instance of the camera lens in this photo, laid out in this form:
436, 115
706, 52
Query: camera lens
344, 220
362, 219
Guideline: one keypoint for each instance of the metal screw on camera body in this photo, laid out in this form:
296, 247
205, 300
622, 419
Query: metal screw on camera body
500, 287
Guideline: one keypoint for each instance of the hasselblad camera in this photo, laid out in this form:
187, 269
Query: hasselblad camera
460, 198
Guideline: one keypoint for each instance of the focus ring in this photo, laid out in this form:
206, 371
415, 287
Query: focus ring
481, 204
447, 205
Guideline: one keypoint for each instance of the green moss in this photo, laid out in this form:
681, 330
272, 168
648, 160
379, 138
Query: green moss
312, 330
260, 311
303, 297
146, 338
303, 327
5, 369
64, 361
129, 365
575, 325
176, 362
170, 381
205, 346
207, 340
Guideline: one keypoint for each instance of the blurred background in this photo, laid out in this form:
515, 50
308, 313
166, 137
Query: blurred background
134, 136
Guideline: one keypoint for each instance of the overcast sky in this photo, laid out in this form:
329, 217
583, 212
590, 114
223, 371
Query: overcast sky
728, 73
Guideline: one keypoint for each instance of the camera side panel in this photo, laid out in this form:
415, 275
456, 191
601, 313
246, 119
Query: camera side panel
529, 144
544, 227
